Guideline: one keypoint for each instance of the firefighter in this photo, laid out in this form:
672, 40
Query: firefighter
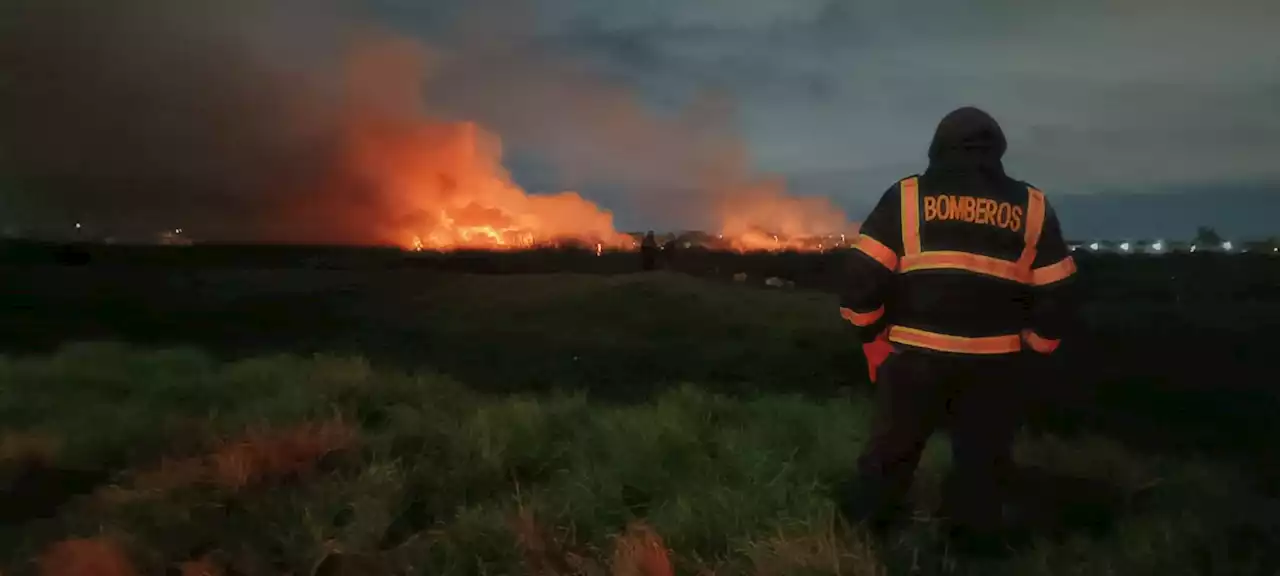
648, 251
959, 279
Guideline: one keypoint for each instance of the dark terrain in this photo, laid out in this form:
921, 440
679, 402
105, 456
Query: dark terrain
1153, 424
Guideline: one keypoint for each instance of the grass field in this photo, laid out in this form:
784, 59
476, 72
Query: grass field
555, 424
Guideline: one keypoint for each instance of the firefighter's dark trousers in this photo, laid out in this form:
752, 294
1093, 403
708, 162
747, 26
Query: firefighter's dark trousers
978, 398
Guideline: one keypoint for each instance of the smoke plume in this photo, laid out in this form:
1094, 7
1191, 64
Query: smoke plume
299, 120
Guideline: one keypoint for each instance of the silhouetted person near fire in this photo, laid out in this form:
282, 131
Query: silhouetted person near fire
648, 252
669, 253
959, 276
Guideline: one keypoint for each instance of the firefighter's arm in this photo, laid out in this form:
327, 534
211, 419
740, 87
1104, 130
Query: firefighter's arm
872, 267
1053, 298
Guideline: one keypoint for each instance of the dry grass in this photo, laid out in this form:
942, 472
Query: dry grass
735, 486
264, 455
259, 456
640, 552
199, 567
86, 557
29, 447
172, 474
828, 551
546, 553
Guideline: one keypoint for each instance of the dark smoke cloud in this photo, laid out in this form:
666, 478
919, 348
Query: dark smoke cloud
233, 119
140, 114
677, 165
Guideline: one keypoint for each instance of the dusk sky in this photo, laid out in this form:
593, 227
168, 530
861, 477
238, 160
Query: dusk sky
1102, 98
1139, 118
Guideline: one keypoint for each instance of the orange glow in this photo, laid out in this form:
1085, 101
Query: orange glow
435, 184
98, 556
764, 218
448, 186
440, 185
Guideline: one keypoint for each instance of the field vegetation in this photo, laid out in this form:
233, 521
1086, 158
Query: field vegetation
320, 421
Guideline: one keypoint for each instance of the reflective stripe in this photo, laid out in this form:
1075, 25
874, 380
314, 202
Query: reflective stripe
861, 319
1040, 343
965, 261
1035, 223
914, 259
877, 251
1062, 270
958, 344
910, 191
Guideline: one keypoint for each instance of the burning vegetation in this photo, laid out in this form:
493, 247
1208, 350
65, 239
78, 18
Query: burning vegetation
314, 125
451, 192
766, 218
446, 189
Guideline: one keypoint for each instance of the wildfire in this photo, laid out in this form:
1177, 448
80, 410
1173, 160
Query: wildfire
451, 192
763, 217
440, 184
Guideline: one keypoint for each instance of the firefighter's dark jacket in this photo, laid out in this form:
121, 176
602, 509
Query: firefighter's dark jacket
962, 259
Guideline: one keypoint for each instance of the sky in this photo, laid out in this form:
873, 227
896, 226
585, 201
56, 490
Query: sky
1100, 99
1139, 118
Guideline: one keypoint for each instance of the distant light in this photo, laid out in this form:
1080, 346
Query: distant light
1158, 246
1226, 245
1124, 246
1093, 246
1275, 249
1073, 248
77, 225
177, 231
1193, 247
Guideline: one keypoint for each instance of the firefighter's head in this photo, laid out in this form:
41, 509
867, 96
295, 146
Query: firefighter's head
967, 137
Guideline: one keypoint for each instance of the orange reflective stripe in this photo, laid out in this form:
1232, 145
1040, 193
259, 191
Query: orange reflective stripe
910, 192
1062, 270
965, 261
877, 251
958, 344
861, 319
1034, 224
1040, 343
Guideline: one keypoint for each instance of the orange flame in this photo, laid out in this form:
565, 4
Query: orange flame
443, 183
440, 185
448, 183
762, 217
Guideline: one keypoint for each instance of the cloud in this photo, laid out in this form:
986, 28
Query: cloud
1095, 95
153, 111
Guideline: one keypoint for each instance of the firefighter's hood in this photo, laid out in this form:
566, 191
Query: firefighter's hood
967, 138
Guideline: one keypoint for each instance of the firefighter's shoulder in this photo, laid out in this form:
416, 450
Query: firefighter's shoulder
1029, 186
896, 188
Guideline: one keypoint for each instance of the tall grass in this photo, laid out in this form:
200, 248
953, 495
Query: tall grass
336, 467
